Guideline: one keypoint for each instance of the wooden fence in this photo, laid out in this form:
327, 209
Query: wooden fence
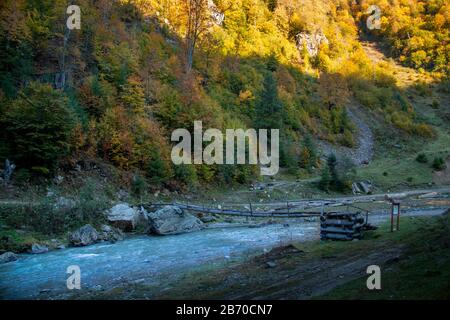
287, 212
290, 210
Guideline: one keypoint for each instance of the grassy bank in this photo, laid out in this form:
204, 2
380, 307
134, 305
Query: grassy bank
421, 272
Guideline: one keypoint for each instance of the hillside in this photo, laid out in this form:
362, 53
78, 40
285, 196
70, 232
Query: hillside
109, 95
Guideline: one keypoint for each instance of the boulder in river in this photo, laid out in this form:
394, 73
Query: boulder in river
124, 217
56, 244
37, 248
8, 257
173, 220
110, 234
84, 236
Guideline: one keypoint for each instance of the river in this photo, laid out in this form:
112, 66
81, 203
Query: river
151, 259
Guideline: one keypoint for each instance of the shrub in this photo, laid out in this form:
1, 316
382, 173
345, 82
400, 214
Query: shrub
22, 176
423, 89
347, 139
337, 174
435, 104
439, 164
424, 130
186, 174
157, 169
38, 126
138, 185
422, 158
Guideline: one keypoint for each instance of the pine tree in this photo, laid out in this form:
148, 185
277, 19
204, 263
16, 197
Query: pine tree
325, 179
156, 169
308, 154
268, 112
332, 167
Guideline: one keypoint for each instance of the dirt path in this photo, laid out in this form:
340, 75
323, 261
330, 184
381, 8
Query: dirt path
294, 275
434, 192
318, 277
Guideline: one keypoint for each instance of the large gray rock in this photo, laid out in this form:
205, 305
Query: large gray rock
37, 248
173, 220
364, 187
124, 217
110, 234
311, 42
56, 244
7, 257
84, 236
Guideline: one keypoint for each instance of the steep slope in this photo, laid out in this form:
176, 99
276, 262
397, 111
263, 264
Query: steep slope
114, 90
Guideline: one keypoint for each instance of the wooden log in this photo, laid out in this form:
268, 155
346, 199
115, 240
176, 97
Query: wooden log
335, 236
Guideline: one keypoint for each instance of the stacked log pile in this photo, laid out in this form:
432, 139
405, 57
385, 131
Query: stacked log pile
341, 226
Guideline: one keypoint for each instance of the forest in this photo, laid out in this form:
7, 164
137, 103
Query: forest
113, 91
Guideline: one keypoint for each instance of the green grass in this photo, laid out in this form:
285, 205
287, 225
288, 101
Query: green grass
423, 270
396, 168
12, 240
425, 276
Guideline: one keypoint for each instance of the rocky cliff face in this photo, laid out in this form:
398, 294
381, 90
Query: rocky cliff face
311, 42
216, 15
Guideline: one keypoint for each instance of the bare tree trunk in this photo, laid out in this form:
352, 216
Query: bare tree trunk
8, 171
196, 24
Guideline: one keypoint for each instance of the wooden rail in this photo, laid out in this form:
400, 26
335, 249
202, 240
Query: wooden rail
277, 213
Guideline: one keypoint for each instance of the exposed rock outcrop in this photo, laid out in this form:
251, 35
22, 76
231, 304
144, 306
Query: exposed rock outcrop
215, 13
84, 236
8, 257
311, 42
362, 187
125, 217
37, 248
110, 234
173, 220
88, 235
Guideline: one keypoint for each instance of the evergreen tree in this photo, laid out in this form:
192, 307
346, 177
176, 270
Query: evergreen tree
332, 166
308, 154
268, 111
325, 179
156, 169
